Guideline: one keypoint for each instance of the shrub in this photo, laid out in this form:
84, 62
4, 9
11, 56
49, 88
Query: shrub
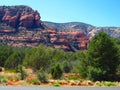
66, 67
5, 52
3, 79
41, 75
14, 60
82, 63
100, 84
56, 72
95, 74
38, 58
56, 85
73, 78
23, 73
13, 78
109, 84
33, 81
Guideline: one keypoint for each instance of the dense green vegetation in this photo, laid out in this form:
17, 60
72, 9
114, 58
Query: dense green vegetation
100, 62
102, 58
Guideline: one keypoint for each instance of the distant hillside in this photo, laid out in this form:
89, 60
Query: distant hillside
88, 29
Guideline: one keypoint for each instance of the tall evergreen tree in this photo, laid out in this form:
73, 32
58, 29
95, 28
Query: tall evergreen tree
103, 58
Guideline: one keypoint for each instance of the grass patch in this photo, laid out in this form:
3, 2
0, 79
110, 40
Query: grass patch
13, 78
3, 79
73, 78
34, 81
109, 84
57, 85
10, 71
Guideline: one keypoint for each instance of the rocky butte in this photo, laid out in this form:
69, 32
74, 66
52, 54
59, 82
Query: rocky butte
17, 16
21, 26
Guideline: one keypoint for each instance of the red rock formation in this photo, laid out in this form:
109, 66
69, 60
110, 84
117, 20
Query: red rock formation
26, 20
7, 31
24, 16
13, 21
20, 16
37, 18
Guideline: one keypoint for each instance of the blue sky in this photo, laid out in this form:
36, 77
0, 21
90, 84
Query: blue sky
94, 12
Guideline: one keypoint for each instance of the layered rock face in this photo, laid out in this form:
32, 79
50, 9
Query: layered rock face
68, 41
89, 30
21, 26
17, 16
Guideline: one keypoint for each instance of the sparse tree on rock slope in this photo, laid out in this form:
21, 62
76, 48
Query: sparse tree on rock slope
103, 58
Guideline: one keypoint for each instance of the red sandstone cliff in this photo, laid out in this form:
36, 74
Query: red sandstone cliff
17, 16
21, 26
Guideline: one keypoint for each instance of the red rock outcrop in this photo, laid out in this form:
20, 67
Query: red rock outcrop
37, 18
17, 16
65, 39
26, 20
9, 19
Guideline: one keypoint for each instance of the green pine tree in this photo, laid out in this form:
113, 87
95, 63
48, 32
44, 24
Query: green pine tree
103, 58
